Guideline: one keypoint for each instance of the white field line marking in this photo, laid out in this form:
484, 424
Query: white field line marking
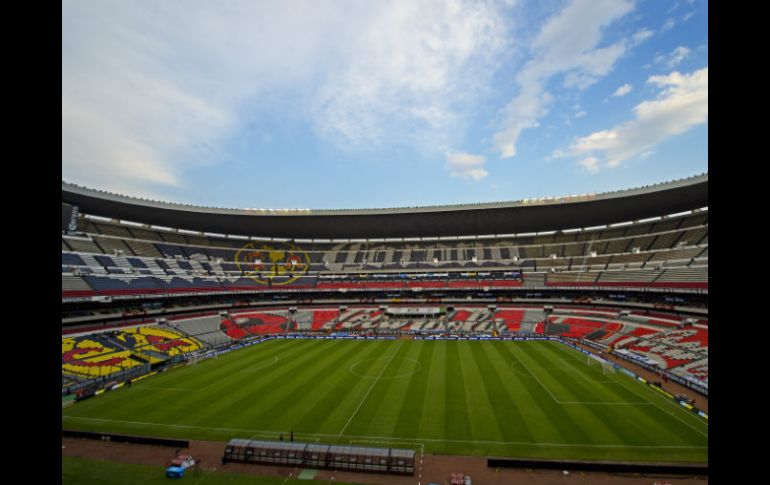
578, 374
669, 413
578, 402
370, 389
659, 407
413, 440
513, 367
398, 376
290, 476
586, 364
538, 380
259, 366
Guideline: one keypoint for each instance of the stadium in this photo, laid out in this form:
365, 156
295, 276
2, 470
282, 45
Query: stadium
431, 242
393, 345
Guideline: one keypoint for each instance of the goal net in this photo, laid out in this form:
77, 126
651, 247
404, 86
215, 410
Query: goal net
594, 361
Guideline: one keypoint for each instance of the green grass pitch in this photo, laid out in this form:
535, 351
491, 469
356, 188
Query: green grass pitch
503, 398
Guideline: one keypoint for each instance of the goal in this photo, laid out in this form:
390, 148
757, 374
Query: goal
594, 361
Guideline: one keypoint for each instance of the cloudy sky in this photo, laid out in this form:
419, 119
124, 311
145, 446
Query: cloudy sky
351, 104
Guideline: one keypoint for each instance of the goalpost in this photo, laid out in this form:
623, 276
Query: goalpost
197, 357
593, 360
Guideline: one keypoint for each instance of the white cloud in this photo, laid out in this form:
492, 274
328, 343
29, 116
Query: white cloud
412, 63
674, 58
689, 14
580, 114
567, 43
641, 35
674, 7
466, 166
681, 105
412, 69
622, 90
150, 89
591, 164
668, 25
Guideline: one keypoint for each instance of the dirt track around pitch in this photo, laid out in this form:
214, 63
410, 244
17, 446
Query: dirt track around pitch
433, 469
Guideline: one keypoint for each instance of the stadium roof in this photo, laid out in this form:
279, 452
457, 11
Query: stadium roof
523, 216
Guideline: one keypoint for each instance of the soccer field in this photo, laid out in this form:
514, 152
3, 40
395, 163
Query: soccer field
503, 398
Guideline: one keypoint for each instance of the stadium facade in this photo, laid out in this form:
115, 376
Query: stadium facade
625, 270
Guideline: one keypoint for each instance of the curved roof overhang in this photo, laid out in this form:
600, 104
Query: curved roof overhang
526, 216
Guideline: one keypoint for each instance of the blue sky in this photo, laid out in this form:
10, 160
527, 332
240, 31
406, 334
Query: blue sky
351, 104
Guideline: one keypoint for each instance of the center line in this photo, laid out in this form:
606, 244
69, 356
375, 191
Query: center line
370, 390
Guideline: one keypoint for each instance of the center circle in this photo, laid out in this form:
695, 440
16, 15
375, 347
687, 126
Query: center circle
379, 368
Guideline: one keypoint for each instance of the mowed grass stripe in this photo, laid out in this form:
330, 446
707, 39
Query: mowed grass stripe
321, 395
202, 407
634, 391
556, 418
522, 404
532, 401
279, 405
649, 420
399, 404
598, 420
670, 413
562, 387
380, 411
366, 377
637, 423
212, 407
411, 414
201, 375
456, 412
433, 420
358, 388
147, 397
482, 413
583, 382
634, 424
217, 388
156, 405
587, 417
614, 392
511, 425
228, 397
322, 414
377, 370
273, 387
